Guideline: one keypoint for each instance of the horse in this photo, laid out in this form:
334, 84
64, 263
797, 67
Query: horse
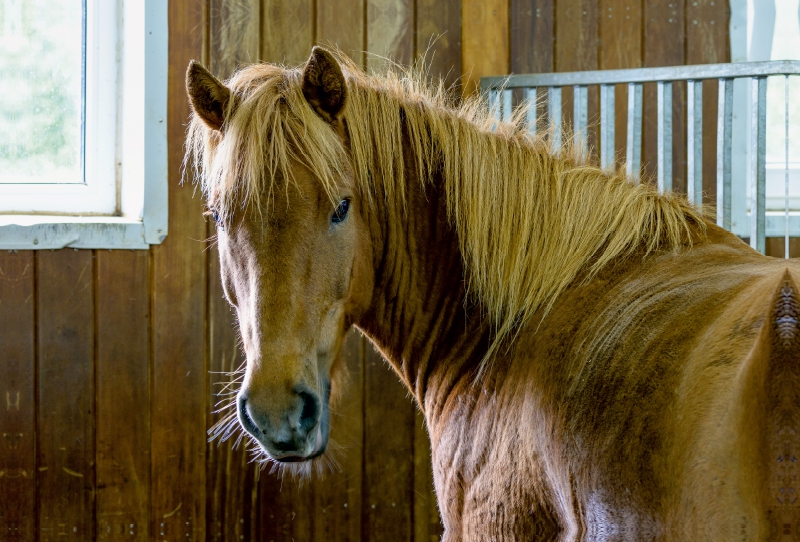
594, 360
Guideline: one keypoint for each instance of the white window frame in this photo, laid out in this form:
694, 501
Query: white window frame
126, 143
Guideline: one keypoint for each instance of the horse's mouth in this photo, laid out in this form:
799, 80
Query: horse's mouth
320, 435
319, 446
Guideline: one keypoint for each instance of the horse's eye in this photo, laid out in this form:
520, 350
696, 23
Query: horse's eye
217, 219
341, 212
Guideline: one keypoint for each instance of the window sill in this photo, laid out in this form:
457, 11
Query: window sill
40, 232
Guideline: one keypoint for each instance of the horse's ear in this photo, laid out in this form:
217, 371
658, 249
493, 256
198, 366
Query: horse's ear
207, 95
323, 84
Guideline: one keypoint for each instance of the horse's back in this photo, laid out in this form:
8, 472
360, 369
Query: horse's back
679, 395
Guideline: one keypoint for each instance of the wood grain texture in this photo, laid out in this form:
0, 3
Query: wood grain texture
287, 30
341, 23
233, 34
484, 42
620, 47
388, 485
231, 474
17, 397
288, 510
65, 425
532, 36
178, 402
338, 491
123, 388
664, 42
707, 41
438, 36
390, 33
576, 33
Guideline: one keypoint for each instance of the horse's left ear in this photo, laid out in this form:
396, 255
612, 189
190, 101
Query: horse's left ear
207, 95
323, 85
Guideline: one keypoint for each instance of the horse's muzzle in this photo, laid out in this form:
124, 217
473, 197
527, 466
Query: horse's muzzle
302, 431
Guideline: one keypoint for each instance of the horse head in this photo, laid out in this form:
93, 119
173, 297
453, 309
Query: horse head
295, 260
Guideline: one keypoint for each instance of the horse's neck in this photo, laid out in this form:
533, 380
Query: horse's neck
418, 317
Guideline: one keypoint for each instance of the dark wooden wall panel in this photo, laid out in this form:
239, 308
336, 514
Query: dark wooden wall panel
664, 43
287, 31
620, 47
232, 511
390, 33
341, 23
484, 41
338, 490
178, 402
18, 397
707, 42
576, 47
438, 32
65, 424
123, 395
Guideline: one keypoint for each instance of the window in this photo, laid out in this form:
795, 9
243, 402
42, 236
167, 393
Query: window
767, 30
83, 131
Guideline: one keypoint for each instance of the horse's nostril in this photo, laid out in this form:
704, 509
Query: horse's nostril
245, 419
309, 416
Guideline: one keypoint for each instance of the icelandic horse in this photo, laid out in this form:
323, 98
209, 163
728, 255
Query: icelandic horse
595, 360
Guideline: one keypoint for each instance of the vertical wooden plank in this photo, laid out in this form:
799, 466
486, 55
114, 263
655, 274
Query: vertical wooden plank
775, 247
231, 490
532, 34
340, 23
338, 490
388, 453
576, 50
707, 41
427, 523
287, 30
233, 34
390, 29
123, 395
532, 45
484, 42
178, 423
18, 396
231, 474
66, 413
620, 47
664, 42
387, 480
438, 35
287, 506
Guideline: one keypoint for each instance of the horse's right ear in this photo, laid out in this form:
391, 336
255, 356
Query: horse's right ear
323, 84
207, 95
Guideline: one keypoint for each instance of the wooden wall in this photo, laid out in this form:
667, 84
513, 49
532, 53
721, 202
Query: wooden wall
111, 361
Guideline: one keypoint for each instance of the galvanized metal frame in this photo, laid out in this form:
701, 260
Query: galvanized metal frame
761, 223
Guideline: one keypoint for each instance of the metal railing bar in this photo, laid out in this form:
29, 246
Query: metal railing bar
607, 113
694, 142
580, 120
645, 75
554, 110
533, 117
664, 136
507, 104
758, 197
494, 104
786, 169
633, 160
724, 137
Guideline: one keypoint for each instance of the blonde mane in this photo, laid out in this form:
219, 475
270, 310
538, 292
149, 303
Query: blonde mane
529, 221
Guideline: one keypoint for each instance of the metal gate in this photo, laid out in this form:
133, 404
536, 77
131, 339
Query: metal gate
499, 91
